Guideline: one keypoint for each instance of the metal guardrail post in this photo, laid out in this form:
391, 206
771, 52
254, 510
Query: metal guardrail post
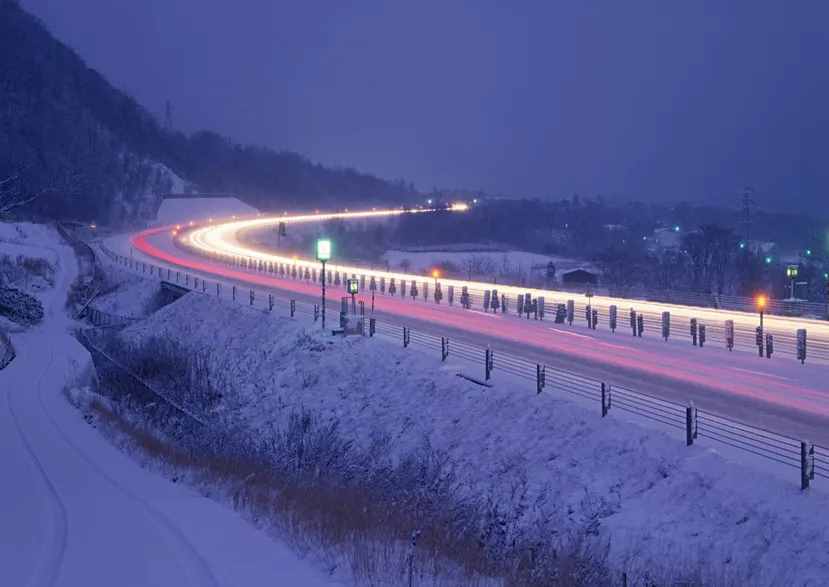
690, 424
801, 345
729, 334
606, 398
444, 348
270, 302
372, 326
489, 363
405, 337
540, 377
807, 464
293, 308
251, 297
234, 293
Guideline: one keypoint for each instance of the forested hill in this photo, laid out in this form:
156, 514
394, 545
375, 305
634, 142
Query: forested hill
90, 151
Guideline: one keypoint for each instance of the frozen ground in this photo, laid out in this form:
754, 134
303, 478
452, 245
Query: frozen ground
179, 210
482, 262
126, 294
76, 511
551, 465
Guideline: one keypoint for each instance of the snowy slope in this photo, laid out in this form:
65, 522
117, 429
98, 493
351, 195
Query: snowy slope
555, 465
76, 511
180, 210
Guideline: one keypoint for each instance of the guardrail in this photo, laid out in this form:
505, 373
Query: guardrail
810, 460
783, 342
123, 383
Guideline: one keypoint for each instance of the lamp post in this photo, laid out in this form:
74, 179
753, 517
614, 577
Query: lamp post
761, 307
323, 254
791, 273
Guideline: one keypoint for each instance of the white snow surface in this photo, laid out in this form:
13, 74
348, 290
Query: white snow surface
657, 502
77, 511
181, 210
505, 262
127, 294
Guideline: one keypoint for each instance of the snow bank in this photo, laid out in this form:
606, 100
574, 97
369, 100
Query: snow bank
126, 294
176, 210
482, 262
543, 460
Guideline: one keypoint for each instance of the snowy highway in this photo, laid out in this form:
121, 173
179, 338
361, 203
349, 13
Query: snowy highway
778, 393
78, 511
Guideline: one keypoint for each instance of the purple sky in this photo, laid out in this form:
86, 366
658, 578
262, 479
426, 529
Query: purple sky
656, 100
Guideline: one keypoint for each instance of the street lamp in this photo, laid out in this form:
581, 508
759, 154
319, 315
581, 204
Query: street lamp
323, 255
761, 301
791, 273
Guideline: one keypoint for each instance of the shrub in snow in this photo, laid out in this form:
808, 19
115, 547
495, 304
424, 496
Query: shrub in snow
20, 307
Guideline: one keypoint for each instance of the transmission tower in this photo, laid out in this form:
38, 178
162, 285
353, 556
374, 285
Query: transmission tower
168, 115
747, 206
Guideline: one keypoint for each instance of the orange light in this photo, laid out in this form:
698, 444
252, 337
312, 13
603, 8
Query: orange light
761, 301
435, 273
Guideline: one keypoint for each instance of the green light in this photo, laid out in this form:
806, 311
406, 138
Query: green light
808, 252
742, 245
768, 260
323, 250
676, 228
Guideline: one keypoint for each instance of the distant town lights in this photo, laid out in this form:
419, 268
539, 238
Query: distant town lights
768, 260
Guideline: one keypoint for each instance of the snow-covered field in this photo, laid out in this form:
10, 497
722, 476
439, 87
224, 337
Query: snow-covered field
485, 262
127, 294
552, 467
76, 510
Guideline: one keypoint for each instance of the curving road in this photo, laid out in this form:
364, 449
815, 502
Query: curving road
78, 511
779, 393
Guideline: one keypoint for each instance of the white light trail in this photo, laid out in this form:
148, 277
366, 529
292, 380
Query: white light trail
221, 238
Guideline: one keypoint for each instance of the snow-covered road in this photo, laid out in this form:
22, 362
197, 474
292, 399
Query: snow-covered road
77, 511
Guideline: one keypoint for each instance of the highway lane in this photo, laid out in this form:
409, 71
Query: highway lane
778, 394
227, 238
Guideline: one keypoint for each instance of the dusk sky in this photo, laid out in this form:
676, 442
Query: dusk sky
652, 100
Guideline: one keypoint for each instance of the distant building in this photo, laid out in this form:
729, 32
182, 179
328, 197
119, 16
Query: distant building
666, 238
579, 276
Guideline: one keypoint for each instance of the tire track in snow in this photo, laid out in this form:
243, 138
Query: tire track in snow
198, 568
46, 576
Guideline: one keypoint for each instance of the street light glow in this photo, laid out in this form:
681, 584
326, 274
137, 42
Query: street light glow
761, 301
323, 249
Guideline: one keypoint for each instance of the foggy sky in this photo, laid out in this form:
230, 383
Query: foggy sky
653, 100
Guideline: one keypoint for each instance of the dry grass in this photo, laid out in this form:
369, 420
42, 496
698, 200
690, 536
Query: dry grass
339, 523
401, 524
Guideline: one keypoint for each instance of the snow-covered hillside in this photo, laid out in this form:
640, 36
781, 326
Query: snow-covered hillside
180, 210
76, 510
553, 468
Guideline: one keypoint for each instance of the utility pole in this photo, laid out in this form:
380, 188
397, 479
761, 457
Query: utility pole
168, 115
747, 205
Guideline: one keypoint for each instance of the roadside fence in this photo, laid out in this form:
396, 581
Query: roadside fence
808, 459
